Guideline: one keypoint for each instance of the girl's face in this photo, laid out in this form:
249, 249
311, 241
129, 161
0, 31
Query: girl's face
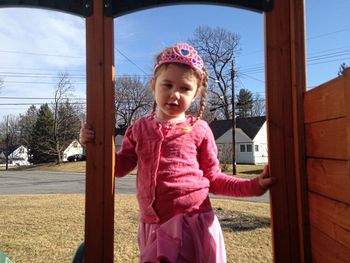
174, 90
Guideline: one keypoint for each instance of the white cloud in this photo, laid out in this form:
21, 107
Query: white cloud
38, 41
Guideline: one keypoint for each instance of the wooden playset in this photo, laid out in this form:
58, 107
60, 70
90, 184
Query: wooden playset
308, 133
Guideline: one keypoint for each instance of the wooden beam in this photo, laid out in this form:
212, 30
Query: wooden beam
99, 210
285, 84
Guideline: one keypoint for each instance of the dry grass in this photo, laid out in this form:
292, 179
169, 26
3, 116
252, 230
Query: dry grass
49, 228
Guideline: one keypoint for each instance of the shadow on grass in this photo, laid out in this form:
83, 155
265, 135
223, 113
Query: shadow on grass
237, 221
252, 172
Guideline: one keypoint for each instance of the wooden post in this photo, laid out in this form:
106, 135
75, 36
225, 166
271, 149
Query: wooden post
285, 84
99, 210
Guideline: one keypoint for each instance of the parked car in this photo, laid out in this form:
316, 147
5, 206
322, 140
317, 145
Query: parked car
76, 158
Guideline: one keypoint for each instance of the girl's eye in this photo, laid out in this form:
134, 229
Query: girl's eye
185, 88
167, 85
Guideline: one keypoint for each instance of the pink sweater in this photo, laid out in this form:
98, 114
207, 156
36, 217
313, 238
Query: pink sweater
176, 170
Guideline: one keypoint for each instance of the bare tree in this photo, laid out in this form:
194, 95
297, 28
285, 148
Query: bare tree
218, 48
259, 106
9, 130
66, 115
132, 100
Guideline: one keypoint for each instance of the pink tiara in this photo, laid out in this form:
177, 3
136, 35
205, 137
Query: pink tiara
185, 54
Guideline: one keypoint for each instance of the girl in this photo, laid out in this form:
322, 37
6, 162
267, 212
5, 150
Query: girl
177, 166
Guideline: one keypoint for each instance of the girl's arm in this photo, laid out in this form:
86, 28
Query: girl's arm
126, 158
222, 184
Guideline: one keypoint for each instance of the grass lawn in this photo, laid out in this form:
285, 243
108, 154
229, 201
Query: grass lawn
243, 170
49, 228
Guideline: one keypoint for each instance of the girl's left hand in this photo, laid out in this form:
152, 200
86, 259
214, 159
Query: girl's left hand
265, 179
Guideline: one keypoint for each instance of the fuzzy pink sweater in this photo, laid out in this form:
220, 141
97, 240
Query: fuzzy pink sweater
176, 170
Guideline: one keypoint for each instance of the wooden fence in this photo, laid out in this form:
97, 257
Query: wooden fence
327, 129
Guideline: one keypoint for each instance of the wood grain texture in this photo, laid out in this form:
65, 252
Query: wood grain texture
285, 84
328, 139
330, 178
99, 214
327, 250
325, 102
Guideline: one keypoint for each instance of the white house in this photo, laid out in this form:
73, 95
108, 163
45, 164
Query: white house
250, 137
73, 148
18, 156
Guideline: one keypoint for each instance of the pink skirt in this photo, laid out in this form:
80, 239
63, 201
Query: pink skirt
192, 238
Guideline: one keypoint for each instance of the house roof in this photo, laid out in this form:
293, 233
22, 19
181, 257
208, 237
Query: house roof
120, 131
250, 126
11, 149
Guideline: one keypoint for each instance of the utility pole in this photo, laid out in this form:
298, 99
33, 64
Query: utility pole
7, 142
234, 172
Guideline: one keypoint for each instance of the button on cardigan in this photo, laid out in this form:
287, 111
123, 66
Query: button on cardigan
176, 170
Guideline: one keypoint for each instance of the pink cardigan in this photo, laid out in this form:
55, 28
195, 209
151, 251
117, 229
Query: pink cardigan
176, 170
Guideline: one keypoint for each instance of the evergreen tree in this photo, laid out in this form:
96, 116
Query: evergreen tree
342, 68
26, 125
42, 146
245, 102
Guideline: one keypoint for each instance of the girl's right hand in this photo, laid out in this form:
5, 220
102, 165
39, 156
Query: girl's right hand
87, 134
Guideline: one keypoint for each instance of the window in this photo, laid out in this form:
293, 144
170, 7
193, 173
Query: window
21, 150
256, 148
75, 144
249, 148
242, 148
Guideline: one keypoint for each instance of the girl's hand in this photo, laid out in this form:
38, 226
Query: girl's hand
87, 134
265, 180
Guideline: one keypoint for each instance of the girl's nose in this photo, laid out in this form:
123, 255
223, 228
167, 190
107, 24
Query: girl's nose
175, 94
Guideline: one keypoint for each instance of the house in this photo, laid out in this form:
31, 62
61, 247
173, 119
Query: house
73, 148
18, 156
250, 137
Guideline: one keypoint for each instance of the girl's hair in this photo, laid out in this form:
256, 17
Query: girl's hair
199, 71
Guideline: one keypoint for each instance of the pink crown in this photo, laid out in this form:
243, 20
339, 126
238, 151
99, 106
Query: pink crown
185, 54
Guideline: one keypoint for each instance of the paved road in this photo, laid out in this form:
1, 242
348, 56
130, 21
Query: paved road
44, 182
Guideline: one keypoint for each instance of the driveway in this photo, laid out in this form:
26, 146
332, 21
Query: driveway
44, 182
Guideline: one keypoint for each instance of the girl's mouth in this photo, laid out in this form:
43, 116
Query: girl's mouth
173, 104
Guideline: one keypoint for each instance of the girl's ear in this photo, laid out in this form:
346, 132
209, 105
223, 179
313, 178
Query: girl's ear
152, 84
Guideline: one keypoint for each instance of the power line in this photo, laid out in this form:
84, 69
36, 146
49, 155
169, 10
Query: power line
39, 98
128, 59
39, 54
37, 103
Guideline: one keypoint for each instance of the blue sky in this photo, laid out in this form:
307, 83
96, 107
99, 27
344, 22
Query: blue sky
36, 45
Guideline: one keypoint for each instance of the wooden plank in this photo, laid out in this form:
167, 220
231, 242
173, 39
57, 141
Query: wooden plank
328, 139
331, 210
285, 82
331, 229
327, 250
298, 57
325, 102
330, 178
99, 208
